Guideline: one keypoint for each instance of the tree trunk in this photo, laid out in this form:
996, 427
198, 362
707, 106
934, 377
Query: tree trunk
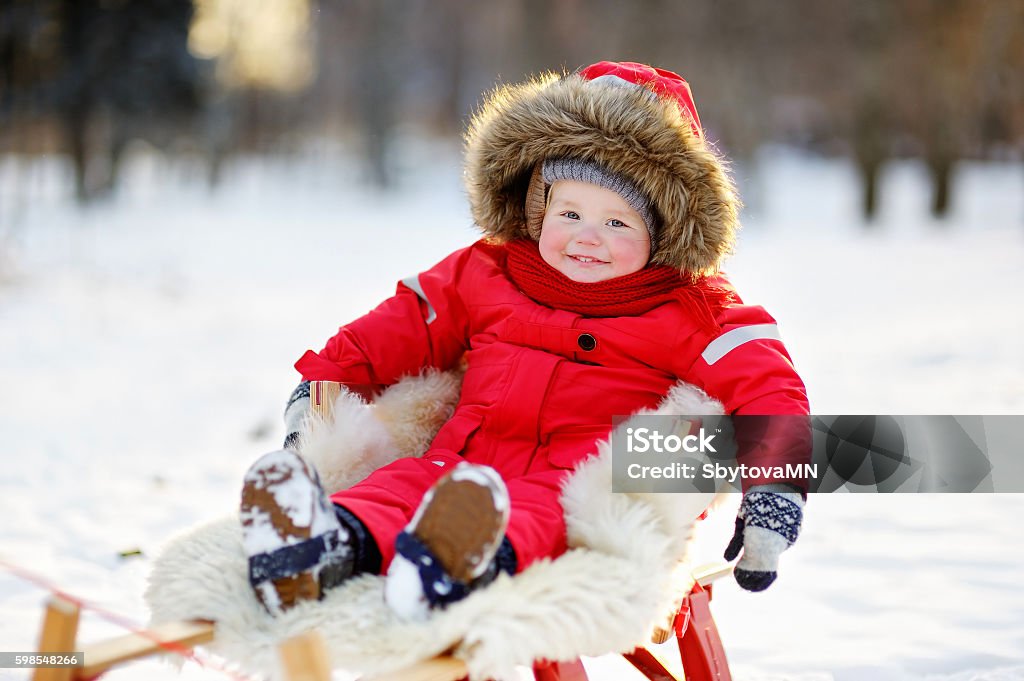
870, 151
940, 154
380, 76
869, 172
941, 170
74, 122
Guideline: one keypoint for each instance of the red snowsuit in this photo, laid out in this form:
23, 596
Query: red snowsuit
542, 385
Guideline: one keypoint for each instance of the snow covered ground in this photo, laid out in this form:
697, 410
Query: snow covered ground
146, 346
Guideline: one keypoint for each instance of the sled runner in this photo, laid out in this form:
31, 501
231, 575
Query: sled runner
624, 574
59, 635
304, 658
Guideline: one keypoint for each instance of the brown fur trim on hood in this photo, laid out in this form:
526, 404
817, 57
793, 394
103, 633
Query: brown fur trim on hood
647, 139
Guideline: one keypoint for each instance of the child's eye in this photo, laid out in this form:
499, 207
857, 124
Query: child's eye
571, 214
617, 223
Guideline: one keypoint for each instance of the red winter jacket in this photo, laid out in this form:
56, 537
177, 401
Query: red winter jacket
542, 385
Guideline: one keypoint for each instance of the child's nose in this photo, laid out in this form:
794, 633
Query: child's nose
588, 234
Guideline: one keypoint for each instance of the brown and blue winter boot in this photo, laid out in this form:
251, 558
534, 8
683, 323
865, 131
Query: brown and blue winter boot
296, 546
450, 546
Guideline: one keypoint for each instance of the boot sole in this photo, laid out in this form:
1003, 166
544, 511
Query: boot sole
463, 522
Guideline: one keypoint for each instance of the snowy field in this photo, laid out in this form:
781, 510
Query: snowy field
146, 346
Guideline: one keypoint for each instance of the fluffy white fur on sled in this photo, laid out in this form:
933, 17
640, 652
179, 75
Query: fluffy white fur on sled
618, 580
359, 438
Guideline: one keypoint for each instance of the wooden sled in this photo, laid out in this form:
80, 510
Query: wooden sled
627, 565
304, 658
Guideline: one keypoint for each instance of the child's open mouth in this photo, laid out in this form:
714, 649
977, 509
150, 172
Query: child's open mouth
587, 260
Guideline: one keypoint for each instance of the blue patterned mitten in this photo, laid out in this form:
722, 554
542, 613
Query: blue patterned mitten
295, 414
768, 523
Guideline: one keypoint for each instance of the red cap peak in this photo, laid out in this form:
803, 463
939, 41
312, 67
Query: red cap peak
665, 84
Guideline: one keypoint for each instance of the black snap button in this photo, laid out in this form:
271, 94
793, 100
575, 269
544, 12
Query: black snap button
586, 342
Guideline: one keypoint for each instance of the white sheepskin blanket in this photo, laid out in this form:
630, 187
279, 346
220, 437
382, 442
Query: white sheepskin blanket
622, 576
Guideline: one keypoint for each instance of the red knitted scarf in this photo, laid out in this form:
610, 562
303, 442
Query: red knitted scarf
626, 296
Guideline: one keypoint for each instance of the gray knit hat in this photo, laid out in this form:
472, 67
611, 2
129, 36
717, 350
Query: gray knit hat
554, 169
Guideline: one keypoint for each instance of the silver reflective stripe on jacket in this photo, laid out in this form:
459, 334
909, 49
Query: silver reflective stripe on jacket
730, 340
414, 283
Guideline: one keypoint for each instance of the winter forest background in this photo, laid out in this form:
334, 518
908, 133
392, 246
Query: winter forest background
193, 193
874, 81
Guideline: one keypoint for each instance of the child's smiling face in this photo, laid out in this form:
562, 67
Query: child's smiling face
591, 234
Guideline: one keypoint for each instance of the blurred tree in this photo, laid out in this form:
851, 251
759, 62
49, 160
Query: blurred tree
366, 60
264, 62
933, 82
936, 80
443, 79
539, 40
29, 62
125, 72
871, 106
939, 57
379, 74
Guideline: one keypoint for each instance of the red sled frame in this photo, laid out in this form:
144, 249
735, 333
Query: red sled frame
700, 648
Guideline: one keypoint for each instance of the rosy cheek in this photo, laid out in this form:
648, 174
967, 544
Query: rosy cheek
635, 254
550, 244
